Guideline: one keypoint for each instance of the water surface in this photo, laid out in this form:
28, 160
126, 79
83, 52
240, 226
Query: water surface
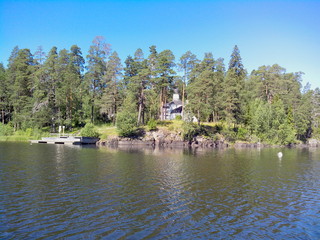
58, 191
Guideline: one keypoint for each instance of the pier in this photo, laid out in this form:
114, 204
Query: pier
77, 140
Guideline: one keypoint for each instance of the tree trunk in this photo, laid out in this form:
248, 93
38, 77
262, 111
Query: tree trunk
141, 106
140, 112
2, 116
92, 112
161, 105
182, 112
114, 101
114, 110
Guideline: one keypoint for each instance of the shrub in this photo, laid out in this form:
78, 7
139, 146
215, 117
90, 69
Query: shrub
242, 134
89, 131
230, 134
152, 125
190, 130
29, 132
217, 128
126, 124
178, 117
5, 130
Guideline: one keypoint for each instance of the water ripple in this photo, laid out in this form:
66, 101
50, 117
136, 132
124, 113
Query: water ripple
86, 194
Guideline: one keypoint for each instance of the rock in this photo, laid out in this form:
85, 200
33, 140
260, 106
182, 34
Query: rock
313, 143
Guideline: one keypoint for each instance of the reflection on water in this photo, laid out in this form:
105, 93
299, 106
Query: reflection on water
134, 193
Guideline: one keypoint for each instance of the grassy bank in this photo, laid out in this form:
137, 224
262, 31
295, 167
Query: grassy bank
214, 131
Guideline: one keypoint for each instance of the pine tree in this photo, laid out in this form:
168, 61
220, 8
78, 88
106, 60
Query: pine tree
233, 87
40, 55
20, 72
98, 52
315, 117
110, 100
76, 85
4, 95
164, 80
187, 63
51, 85
201, 88
137, 76
303, 116
217, 99
127, 117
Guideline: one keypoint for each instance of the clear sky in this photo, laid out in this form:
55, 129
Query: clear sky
266, 32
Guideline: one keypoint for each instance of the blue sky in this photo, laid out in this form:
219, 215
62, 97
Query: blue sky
266, 32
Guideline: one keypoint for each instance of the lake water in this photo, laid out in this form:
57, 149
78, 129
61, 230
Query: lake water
58, 191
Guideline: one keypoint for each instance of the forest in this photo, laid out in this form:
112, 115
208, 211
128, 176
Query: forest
62, 87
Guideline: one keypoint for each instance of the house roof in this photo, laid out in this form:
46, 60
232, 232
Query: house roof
177, 110
176, 102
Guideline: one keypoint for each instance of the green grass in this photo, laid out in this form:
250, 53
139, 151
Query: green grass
17, 138
107, 130
171, 125
24, 136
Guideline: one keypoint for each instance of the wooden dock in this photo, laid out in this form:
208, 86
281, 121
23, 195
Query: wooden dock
67, 140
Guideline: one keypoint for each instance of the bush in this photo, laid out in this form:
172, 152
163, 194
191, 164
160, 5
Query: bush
5, 130
178, 117
230, 134
242, 134
217, 128
190, 130
89, 131
152, 125
126, 124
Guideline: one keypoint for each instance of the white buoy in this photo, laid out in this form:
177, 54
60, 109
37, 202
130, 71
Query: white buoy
279, 155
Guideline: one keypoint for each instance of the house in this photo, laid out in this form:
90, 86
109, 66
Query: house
173, 108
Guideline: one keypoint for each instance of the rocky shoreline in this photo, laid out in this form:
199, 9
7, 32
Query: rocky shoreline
163, 138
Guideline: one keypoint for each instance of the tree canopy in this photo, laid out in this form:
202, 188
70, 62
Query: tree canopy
62, 87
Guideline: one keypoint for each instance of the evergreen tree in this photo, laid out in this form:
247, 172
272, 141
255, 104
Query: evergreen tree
51, 82
76, 85
40, 55
98, 52
233, 87
272, 81
201, 88
141, 83
4, 95
20, 71
110, 100
164, 80
127, 117
187, 63
137, 75
303, 116
315, 117
218, 87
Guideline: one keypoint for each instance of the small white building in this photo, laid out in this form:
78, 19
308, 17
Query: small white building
173, 108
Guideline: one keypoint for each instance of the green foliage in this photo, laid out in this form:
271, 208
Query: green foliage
5, 130
89, 131
233, 88
178, 117
242, 134
7, 133
38, 91
127, 118
190, 130
126, 124
271, 123
230, 134
152, 125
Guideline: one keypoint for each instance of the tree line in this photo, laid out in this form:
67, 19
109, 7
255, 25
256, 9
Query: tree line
65, 88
